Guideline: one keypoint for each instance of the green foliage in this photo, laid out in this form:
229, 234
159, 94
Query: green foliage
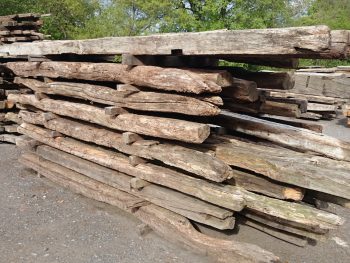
334, 13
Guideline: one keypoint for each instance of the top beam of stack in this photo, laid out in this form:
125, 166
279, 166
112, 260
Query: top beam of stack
298, 42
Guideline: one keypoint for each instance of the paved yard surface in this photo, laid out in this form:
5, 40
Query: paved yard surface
40, 222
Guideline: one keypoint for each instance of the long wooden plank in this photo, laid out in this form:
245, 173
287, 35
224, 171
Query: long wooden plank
136, 100
277, 41
286, 135
169, 79
193, 161
148, 125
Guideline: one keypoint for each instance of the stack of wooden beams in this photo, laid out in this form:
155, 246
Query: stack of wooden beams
20, 28
281, 98
155, 141
325, 91
9, 120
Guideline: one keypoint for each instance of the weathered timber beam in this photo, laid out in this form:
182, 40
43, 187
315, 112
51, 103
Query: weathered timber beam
169, 79
314, 172
227, 197
289, 136
161, 220
242, 90
186, 159
277, 41
305, 124
173, 226
195, 209
147, 125
263, 185
144, 101
265, 79
284, 226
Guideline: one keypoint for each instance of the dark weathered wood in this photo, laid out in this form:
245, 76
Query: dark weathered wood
186, 159
286, 135
280, 234
136, 100
305, 124
280, 108
170, 61
284, 226
169, 79
265, 79
148, 125
242, 90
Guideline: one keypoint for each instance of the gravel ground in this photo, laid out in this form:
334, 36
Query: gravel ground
40, 222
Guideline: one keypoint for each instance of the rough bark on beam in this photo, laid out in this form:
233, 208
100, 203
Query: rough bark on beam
280, 164
263, 185
286, 135
186, 159
147, 125
196, 210
228, 197
169, 79
145, 101
296, 42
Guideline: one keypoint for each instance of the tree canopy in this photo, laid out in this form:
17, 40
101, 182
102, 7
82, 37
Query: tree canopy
75, 19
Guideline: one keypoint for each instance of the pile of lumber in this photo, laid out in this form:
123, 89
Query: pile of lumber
159, 141
9, 120
20, 28
278, 96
